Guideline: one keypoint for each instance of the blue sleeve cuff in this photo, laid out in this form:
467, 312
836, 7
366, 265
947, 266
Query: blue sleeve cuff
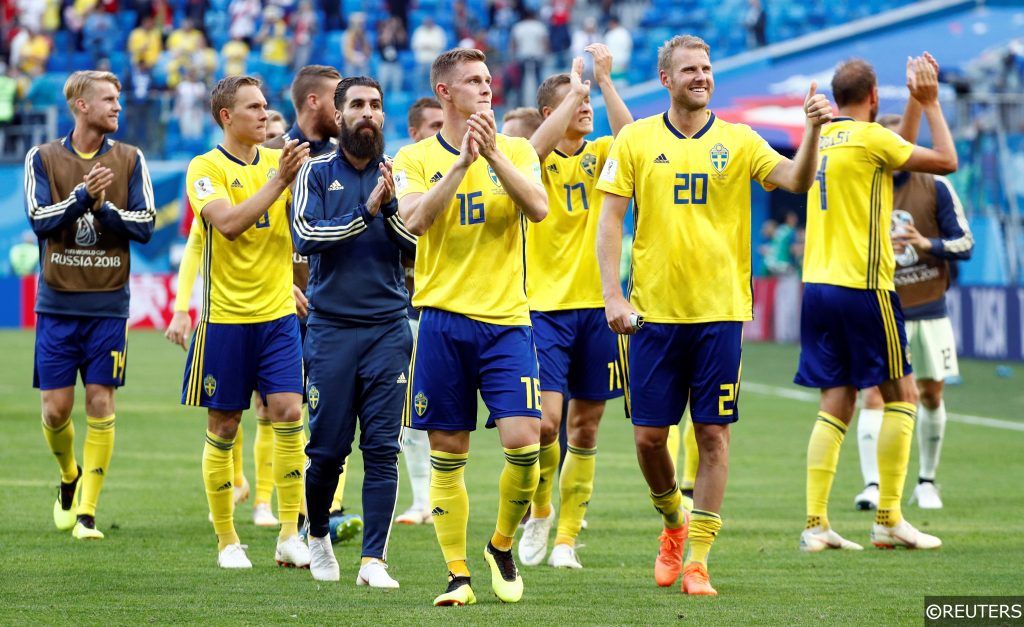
937, 246
389, 209
365, 213
83, 197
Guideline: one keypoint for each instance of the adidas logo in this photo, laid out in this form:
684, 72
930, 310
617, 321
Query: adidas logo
226, 486
236, 184
401, 378
437, 511
295, 474
437, 177
661, 158
98, 471
335, 186
552, 168
520, 501
585, 504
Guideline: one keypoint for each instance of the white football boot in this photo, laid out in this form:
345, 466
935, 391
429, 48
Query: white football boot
926, 494
868, 499
564, 556
818, 538
322, 563
263, 516
903, 534
292, 552
233, 556
375, 574
415, 516
534, 544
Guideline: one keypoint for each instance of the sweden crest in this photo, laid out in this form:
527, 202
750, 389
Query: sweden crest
494, 177
587, 163
419, 403
314, 396
209, 385
719, 157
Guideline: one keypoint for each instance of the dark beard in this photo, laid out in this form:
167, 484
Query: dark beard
325, 126
359, 144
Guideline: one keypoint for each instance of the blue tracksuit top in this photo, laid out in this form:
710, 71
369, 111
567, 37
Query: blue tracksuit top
355, 259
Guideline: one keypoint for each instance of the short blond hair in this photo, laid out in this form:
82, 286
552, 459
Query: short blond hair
527, 115
80, 83
679, 41
446, 62
223, 95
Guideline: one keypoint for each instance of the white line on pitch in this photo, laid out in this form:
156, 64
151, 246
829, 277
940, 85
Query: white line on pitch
811, 397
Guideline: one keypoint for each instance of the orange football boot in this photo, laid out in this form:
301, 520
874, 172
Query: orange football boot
670, 553
695, 580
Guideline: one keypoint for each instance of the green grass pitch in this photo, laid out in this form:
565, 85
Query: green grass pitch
158, 563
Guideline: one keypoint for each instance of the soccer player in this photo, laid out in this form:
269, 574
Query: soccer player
358, 342
312, 93
578, 353
929, 230
425, 119
465, 192
689, 174
87, 197
248, 338
851, 324
521, 122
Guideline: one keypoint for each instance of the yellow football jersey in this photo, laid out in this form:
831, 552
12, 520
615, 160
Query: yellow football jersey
561, 261
250, 279
470, 260
849, 207
691, 203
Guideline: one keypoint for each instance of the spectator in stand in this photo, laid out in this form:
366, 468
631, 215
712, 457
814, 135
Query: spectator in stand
778, 257
755, 21
582, 38
204, 59
391, 39
190, 105
273, 38
529, 44
145, 43
163, 15
244, 14
186, 39
98, 34
32, 52
620, 42
559, 35
235, 54
428, 41
304, 27
464, 22
73, 23
9, 95
355, 47
30, 13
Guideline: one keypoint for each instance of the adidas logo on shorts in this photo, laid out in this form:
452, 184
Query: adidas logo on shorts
401, 378
335, 186
661, 158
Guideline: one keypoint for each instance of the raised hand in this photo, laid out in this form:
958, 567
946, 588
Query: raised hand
602, 60
817, 107
576, 83
924, 82
469, 150
383, 192
292, 158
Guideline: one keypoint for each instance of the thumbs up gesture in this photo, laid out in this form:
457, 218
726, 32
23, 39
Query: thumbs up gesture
817, 107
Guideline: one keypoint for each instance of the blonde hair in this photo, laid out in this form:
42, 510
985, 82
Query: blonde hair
446, 63
223, 95
679, 41
80, 83
275, 116
527, 115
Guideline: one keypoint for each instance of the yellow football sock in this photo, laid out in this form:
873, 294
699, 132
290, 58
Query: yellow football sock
449, 502
549, 457
822, 460
289, 460
672, 444
263, 458
517, 484
339, 492
61, 441
217, 475
575, 486
669, 504
236, 457
894, 440
691, 457
99, 446
704, 526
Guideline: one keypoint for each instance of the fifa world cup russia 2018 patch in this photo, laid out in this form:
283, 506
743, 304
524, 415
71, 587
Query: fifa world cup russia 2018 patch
271, 173
719, 158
